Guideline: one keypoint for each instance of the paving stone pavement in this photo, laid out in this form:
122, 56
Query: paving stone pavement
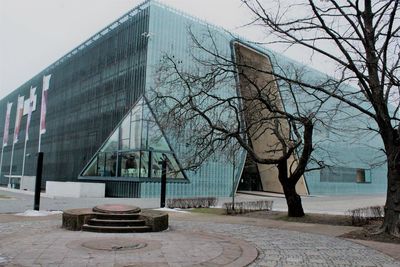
186, 243
290, 248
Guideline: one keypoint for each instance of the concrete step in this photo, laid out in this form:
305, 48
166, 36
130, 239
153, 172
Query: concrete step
108, 222
113, 216
116, 229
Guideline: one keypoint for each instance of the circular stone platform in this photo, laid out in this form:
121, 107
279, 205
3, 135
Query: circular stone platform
174, 248
116, 208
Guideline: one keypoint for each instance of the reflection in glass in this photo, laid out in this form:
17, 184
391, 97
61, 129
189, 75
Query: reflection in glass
144, 164
156, 165
135, 134
125, 144
125, 128
104, 164
112, 143
129, 164
92, 169
110, 164
173, 168
155, 138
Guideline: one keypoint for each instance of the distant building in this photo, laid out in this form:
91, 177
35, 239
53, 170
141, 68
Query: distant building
99, 126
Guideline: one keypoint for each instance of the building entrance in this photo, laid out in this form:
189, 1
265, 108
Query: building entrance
250, 180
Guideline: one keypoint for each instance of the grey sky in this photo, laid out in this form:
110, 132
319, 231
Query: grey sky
34, 34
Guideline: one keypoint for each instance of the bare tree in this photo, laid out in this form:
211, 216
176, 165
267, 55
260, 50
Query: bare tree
362, 38
219, 102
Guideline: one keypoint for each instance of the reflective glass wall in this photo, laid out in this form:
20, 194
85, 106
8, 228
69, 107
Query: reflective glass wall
171, 36
91, 89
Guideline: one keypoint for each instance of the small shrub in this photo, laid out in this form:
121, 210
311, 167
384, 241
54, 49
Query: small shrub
187, 203
244, 207
363, 216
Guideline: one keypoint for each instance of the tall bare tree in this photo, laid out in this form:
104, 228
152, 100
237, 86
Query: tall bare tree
362, 38
203, 104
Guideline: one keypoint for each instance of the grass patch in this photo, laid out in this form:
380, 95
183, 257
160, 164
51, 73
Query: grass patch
248, 206
214, 211
318, 219
364, 233
367, 232
282, 216
4, 197
308, 218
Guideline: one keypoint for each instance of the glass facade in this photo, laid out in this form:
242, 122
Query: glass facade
91, 89
100, 127
135, 150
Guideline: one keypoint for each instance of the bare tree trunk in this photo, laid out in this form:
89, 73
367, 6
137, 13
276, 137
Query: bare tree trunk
389, 135
391, 222
293, 200
391, 139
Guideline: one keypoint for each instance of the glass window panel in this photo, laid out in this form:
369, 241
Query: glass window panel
135, 134
144, 164
129, 164
112, 143
102, 165
125, 128
130, 128
173, 170
155, 137
125, 144
147, 115
156, 165
93, 168
110, 167
137, 110
144, 135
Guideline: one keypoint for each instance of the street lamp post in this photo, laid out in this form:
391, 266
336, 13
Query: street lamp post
39, 171
163, 180
233, 185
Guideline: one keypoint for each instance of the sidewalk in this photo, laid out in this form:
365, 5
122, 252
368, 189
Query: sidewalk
390, 249
192, 240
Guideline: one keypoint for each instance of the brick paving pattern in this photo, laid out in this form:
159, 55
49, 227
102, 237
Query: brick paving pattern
290, 248
187, 243
46, 244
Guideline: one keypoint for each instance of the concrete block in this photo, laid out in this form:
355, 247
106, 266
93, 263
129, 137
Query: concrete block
75, 189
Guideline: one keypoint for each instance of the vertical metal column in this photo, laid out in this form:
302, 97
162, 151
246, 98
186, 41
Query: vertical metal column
39, 170
233, 184
163, 181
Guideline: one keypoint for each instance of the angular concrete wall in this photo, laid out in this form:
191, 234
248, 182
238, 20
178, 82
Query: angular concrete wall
254, 80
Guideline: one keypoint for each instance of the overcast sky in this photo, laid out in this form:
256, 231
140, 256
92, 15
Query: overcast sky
34, 34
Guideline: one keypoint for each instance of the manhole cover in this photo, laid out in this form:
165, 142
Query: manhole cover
114, 244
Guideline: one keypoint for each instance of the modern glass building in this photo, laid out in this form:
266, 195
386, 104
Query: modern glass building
100, 126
